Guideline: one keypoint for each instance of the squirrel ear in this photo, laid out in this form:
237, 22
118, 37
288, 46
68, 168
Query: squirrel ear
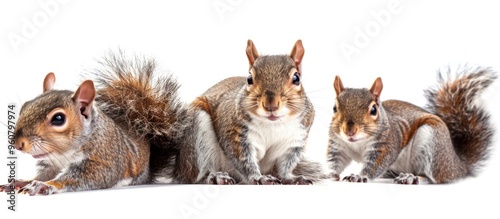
84, 97
337, 84
49, 81
377, 88
252, 53
297, 53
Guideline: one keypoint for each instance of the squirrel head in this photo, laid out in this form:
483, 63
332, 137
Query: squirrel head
274, 86
356, 111
49, 124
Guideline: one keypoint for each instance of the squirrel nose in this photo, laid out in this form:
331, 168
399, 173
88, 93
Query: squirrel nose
21, 143
271, 108
271, 102
351, 130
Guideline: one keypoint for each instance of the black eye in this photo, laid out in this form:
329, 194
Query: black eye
58, 119
250, 80
373, 111
334, 108
296, 78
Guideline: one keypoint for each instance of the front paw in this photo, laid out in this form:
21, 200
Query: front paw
36, 187
297, 180
220, 178
335, 177
355, 178
406, 178
266, 180
14, 186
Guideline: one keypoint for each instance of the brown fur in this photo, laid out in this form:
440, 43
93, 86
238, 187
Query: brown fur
144, 102
439, 153
232, 105
88, 151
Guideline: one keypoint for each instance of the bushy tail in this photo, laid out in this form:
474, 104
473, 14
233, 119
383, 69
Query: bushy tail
456, 99
313, 170
132, 92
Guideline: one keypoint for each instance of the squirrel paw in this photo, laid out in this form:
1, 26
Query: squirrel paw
266, 180
355, 178
406, 178
220, 178
36, 187
335, 177
14, 186
298, 180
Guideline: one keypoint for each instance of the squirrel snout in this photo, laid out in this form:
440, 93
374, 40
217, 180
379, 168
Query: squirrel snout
351, 128
270, 101
271, 108
23, 144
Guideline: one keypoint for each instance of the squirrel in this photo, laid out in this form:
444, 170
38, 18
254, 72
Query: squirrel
79, 146
248, 130
445, 142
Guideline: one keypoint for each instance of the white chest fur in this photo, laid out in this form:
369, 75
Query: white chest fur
271, 140
63, 161
356, 150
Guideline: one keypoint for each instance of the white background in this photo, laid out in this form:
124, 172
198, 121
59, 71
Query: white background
201, 45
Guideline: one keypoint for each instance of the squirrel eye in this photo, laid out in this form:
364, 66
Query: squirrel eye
250, 80
334, 108
296, 78
373, 110
58, 119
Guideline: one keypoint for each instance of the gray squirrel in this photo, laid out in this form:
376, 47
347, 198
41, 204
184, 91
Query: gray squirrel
446, 141
247, 130
78, 140
254, 129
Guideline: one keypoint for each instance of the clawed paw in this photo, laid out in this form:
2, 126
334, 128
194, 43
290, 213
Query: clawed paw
36, 187
298, 180
355, 178
406, 178
266, 180
14, 186
220, 178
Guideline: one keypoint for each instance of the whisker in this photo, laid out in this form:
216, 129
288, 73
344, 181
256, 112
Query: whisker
286, 92
55, 147
326, 110
319, 97
322, 124
318, 90
49, 154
